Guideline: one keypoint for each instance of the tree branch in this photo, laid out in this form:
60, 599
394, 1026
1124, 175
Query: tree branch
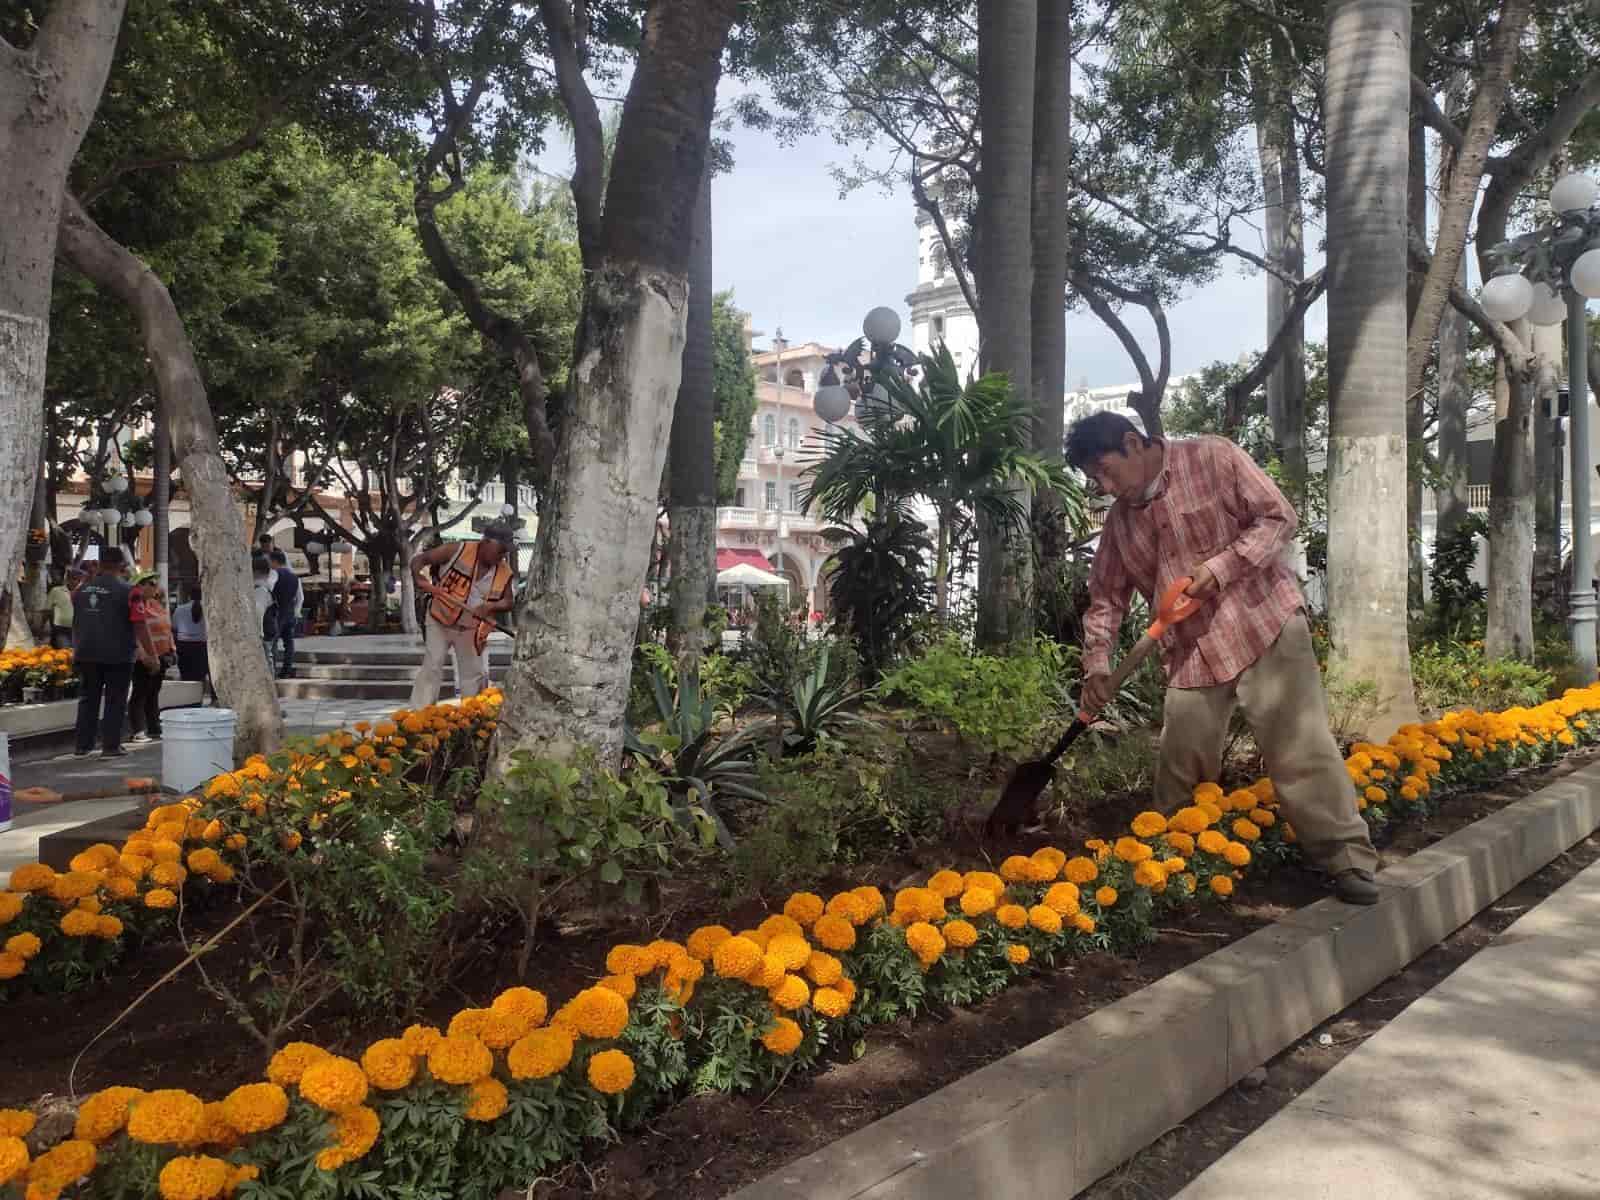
1093, 288
588, 133
1233, 403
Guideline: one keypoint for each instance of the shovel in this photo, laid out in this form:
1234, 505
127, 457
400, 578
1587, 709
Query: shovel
1019, 801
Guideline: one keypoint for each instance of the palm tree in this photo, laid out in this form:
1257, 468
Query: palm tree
1365, 108
959, 447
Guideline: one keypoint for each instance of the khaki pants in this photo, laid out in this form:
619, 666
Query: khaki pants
1281, 695
472, 667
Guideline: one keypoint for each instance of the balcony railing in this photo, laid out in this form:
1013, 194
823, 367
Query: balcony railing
1477, 498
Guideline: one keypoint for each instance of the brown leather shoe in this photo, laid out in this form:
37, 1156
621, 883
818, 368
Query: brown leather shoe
1355, 886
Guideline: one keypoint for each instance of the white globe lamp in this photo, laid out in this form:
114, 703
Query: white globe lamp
129, 520
1507, 297
116, 485
144, 518
507, 511
1548, 307
315, 549
1585, 273
831, 400
882, 326
1573, 193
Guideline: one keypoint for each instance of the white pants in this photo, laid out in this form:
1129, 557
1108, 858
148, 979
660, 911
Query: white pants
472, 667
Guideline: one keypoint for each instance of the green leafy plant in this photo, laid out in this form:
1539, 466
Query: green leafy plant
998, 701
816, 706
549, 827
1458, 675
1457, 598
879, 586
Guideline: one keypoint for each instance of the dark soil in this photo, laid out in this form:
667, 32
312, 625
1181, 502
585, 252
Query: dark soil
706, 1146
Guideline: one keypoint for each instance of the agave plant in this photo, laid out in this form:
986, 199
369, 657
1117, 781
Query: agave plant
815, 706
698, 766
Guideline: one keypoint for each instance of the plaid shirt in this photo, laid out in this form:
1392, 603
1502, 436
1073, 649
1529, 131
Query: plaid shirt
1212, 505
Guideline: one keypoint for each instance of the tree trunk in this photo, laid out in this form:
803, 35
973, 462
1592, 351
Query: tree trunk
1545, 485
408, 587
237, 665
941, 565
1284, 217
1455, 398
1052, 114
35, 578
1509, 631
1007, 35
1368, 89
568, 683
1416, 427
692, 458
161, 503
48, 95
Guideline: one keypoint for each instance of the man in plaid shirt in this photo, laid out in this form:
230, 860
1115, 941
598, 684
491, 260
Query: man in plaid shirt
1202, 508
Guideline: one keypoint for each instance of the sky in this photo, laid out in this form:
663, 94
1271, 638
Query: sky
800, 257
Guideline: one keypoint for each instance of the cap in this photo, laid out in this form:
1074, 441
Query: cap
497, 532
144, 577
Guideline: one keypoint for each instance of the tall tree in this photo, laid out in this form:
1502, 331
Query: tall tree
691, 458
1007, 38
568, 682
49, 90
734, 387
1365, 111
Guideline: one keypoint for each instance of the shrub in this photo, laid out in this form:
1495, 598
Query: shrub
998, 702
816, 706
1456, 675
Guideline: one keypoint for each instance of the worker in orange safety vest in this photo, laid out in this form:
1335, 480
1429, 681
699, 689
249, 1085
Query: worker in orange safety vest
471, 586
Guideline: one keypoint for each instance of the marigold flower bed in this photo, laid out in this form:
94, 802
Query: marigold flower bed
505, 1091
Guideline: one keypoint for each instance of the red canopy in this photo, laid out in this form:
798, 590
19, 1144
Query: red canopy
733, 556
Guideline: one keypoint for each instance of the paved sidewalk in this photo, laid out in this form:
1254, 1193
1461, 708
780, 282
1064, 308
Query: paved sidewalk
1487, 1087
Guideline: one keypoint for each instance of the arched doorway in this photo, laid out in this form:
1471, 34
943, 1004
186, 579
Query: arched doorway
183, 566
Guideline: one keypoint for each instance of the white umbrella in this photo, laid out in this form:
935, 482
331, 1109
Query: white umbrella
747, 575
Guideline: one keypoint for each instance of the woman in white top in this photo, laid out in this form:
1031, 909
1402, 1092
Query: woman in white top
189, 631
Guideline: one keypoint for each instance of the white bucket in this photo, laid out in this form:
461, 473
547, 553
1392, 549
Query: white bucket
5, 782
196, 743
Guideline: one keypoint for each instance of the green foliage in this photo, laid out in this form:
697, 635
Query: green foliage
1457, 675
879, 588
549, 827
1457, 598
734, 389
817, 706
996, 701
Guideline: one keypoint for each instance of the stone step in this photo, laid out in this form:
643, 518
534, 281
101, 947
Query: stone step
355, 672
381, 658
395, 687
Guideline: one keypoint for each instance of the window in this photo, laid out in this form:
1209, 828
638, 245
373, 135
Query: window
738, 497
794, 498
941, 260
938, 327
795, 378
794, 433
769, 430
772, 494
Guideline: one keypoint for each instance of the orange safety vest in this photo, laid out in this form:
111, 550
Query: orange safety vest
456, 581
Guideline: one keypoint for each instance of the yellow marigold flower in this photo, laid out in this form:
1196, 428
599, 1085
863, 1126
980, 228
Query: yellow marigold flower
625, 986
1105, 897
1246, 830
600, 1013
778, 923
78, 923
1179, 841
419, 1039
611, 1072
1149, 825
1081, 870
11, 965
118, 887
235, 841
1375, 795
524, 1002
486, 1099
1131, 850
107, 928
849, 907
1222, 885
256, 1107
626, 959
169, 875
791, 993
16, 1122
468, 1022
23, 945
89, 904
1263, 818
169, 1117
10, 907
977, 901
213, 831
204, 861
804, 908
946, 884
75, 885
1237, 854
540, 1054
834, 931
1012, 916
959, 934
824, 969
872, 897
1190, 881
104, 1113
13, 1158
354, 1132
290, 1063
926, 942
830, 1002
165, 852
461, 1060
1018, 954
735, 957
1148, 874
794, 951
1212, 842
389, 1065
919, 904
1173, 866
1239, 800
96, 858
1045, 919
784, 1037
334, 1083
193, 1177
704, 941
1051, 858
64, 1163
1064, 898
1015, 869
1083, 923
986, 881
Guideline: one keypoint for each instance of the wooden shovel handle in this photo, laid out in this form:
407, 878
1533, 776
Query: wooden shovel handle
1129, 664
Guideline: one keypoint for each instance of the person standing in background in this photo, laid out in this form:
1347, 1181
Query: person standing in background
108, 633
144, 705
189, 636
60, 601
474, 585
287, 596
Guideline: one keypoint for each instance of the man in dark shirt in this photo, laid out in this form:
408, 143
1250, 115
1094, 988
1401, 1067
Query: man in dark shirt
286, 598
107, 634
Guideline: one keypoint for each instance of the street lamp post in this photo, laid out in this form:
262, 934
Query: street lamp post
1547, 276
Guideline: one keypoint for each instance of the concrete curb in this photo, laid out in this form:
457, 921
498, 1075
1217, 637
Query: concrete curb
1053, 1117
